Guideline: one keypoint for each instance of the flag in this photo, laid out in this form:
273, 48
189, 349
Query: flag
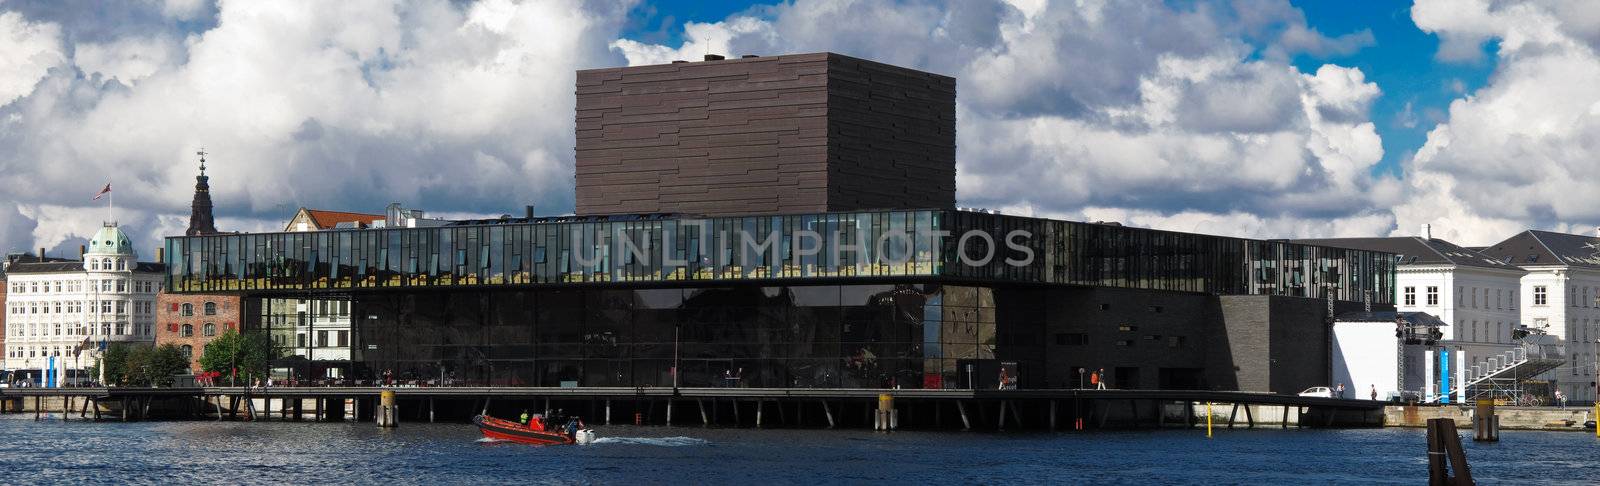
102, 192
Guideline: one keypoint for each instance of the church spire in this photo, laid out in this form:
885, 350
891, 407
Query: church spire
200, 220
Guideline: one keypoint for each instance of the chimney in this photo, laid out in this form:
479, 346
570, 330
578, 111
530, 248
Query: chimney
528, 210
41, 253
714, 57
1427, 231
82, 250
161, 255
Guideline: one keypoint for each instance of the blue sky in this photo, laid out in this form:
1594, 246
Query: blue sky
1402, 62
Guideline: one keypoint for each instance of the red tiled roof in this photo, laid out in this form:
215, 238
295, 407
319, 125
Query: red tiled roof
328, 219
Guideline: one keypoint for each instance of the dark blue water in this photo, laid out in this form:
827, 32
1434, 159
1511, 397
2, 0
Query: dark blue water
52, 451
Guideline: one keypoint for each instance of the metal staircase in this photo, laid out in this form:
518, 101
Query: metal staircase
1503, 375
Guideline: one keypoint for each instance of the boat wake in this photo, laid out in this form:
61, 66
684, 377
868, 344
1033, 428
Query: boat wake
653, 441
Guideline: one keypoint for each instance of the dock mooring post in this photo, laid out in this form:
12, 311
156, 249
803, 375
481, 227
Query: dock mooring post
388, 410
1445, 455
608, 411
886, 418
1485, 424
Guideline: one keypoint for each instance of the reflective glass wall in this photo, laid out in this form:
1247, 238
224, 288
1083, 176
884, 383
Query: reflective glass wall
829, 336
937, 243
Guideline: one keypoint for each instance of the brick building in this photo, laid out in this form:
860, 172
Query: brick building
192, 321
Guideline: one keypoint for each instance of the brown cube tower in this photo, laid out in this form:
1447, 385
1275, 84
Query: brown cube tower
764, 135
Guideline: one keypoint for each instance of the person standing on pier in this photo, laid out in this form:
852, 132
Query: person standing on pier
1374, 392
1339, 390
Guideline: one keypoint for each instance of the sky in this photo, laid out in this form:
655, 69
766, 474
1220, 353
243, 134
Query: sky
1253, 118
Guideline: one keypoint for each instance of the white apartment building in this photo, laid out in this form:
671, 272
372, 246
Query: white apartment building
59, 312
1560, 291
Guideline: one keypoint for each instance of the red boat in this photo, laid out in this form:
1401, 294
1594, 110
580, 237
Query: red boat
536, 432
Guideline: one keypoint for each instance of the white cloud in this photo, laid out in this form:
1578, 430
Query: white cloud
184, 9
128, 60
346, 105
1520, 151
27, 52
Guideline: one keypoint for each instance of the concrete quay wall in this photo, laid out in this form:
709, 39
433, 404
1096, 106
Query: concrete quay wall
1511, 418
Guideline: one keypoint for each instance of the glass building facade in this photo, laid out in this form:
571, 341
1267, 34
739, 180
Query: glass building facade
821, 336
923, 245
907, 299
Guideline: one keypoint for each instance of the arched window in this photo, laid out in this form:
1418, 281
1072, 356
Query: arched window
188, 351
188, 330
210, 329
94, 264
211, 308
122, 264
188, 309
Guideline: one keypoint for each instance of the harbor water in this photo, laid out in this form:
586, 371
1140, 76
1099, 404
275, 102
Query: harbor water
54, 452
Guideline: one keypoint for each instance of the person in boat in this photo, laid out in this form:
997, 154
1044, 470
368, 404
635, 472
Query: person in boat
572, 427
524, 417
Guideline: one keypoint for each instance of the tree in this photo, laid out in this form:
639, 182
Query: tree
129, 364
161, 364
250, 353
115, 362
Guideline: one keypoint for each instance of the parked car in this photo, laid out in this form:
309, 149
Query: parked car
1318, 391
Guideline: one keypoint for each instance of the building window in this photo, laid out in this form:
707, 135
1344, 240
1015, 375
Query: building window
188, 310
188, 352
1410, 296
1067, 339
211, 308
344, 339
210, 329
1539, 295
188, 330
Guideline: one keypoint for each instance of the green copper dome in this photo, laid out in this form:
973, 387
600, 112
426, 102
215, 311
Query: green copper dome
110, 240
